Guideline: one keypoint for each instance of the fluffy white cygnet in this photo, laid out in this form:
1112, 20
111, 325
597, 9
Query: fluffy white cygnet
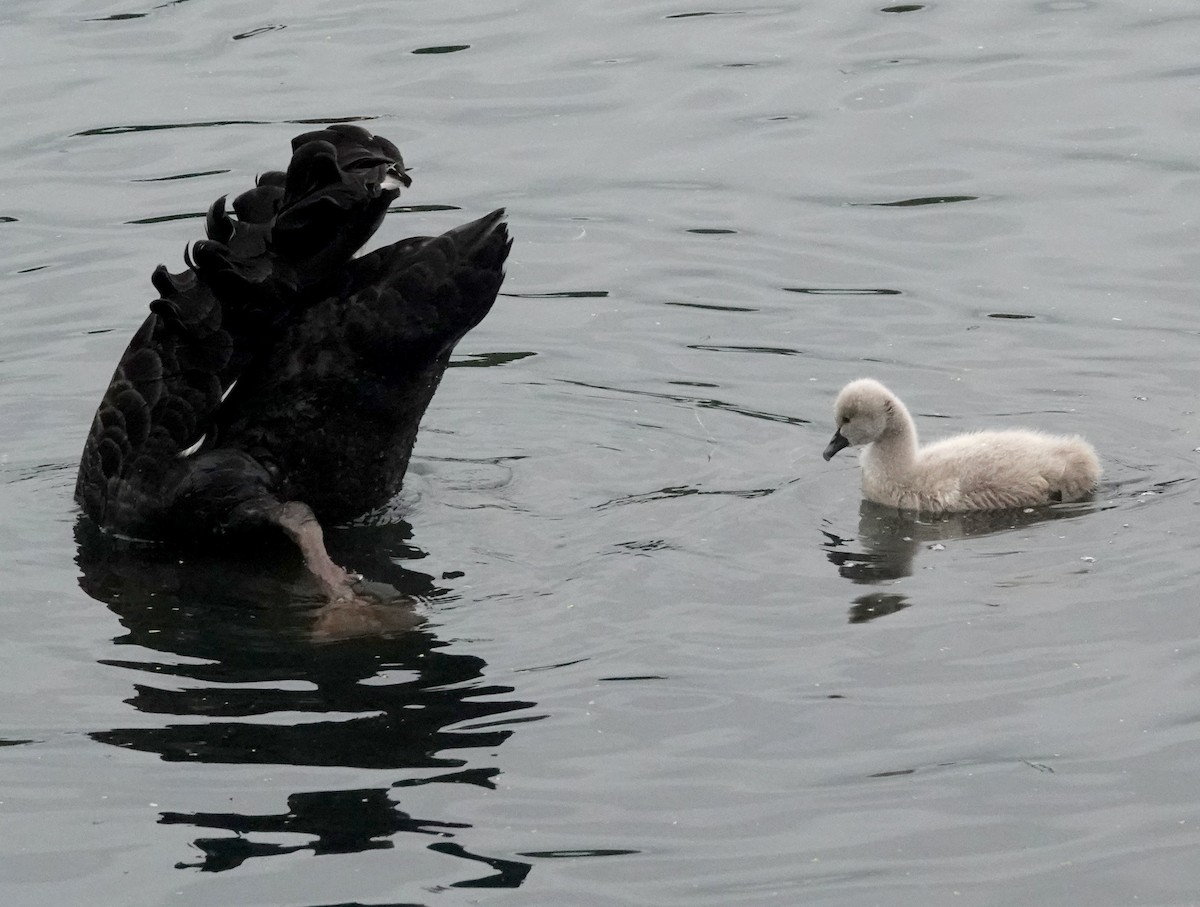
984, 470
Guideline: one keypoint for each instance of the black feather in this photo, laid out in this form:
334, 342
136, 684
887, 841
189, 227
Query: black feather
335, 359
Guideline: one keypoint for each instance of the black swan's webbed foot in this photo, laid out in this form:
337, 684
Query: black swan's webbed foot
300, 524
351, 609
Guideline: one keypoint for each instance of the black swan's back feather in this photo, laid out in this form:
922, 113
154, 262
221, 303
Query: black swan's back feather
277, 368
360, 367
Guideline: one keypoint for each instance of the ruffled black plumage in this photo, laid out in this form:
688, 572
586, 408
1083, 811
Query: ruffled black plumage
278, 381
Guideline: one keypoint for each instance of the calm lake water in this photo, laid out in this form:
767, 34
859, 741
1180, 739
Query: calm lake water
666, 658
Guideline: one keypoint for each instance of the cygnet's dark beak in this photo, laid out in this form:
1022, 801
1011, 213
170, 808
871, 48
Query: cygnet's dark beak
839, 441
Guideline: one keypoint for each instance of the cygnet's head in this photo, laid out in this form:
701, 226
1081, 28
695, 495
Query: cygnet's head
861, 414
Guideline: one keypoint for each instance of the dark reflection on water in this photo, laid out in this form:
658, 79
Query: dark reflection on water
918, 202
235, 636
341, 821
876, 604
442, 49
118, 17
179, 176
741, 348
683, 491
488, 360
207, 124
711, 307
421, 209
889, 540
257, 31
732, 12
842, 291
564, 294
167, 218
155, 127
698, 402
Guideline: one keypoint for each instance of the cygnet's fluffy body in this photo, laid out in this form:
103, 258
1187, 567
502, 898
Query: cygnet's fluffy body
984, 470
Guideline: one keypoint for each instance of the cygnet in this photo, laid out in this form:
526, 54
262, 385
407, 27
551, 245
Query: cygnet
983, 470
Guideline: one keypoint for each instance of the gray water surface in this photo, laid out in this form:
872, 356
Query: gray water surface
667, 656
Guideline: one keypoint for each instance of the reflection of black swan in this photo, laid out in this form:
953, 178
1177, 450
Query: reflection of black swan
277, 382
224, 672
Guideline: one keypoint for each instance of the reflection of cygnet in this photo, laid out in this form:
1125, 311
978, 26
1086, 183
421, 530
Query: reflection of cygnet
985, 470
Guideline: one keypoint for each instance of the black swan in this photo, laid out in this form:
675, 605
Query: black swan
278, 382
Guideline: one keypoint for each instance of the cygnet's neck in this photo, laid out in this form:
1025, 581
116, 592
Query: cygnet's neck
895, 451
